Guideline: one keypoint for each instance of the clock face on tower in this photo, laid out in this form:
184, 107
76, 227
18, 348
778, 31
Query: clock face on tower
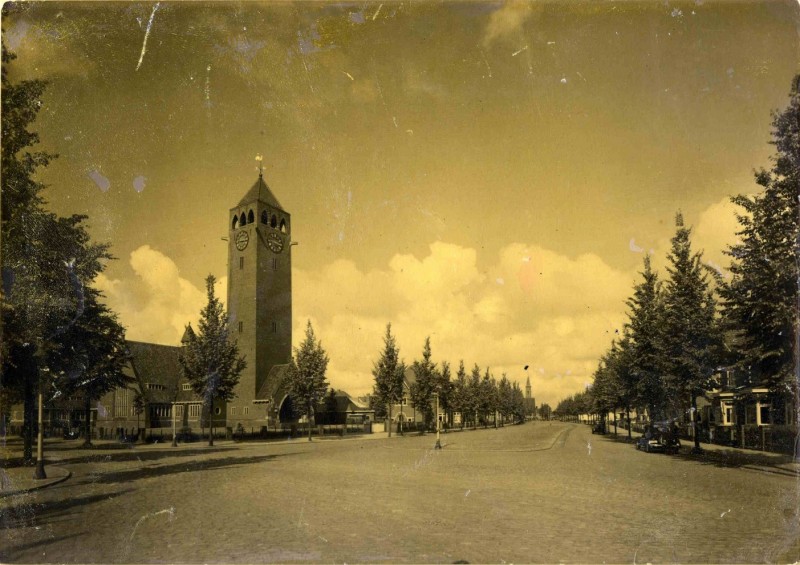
241, 240
275, 242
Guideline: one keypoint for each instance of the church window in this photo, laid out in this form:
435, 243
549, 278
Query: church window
241, 262
217, 410
274, 327
186, 386
273, 223
246, 410
274, 263
283, 226
264, 217
250, 217
194, 410
235, 222
242, 219
241, 327
233, 410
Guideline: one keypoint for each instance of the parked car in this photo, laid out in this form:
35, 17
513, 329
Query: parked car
661, 437
599, 428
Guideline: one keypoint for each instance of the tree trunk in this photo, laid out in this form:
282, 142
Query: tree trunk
696, 423
29, 409
87, 426
628, 418
390, 418
309, 422
210, 425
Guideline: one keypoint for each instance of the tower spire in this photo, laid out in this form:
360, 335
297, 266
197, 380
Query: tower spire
259, 160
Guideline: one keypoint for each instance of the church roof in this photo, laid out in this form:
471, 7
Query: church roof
260, 191
276, 379
157, 369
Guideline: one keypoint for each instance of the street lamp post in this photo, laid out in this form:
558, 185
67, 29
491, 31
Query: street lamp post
438, 443
174, 436
39, 472
402, 416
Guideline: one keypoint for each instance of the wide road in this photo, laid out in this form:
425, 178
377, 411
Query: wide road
540, 492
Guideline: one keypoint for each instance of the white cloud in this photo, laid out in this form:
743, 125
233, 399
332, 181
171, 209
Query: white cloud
508, 21
157, 303
555, 312
716, 230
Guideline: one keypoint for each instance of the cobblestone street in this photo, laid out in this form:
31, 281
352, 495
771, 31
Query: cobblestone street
541, 492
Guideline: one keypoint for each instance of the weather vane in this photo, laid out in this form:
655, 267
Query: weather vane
259, 159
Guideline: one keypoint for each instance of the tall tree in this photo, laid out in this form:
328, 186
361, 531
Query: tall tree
761, 302
488, 396
389, 371
518, 404
23, 328
210, 358
444, 388
691, 337
644, 330
459, 393
545, 411
97, 356
307, 381
506, 398
474, 394
422, 389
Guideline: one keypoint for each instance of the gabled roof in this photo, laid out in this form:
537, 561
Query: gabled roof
275, 379
261, 192
158, 365
346, 402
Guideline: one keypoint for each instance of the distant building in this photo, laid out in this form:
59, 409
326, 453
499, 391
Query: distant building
345, 410
529, 402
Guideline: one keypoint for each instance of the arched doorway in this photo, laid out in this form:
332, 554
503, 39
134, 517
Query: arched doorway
286, 413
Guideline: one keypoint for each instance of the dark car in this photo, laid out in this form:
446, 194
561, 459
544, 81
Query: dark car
659, 437
599, 428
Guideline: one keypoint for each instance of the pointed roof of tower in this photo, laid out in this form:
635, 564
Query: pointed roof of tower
260, 191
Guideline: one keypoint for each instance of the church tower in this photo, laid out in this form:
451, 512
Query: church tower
528, 388
259, 302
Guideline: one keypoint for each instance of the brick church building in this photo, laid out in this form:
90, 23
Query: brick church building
260, 317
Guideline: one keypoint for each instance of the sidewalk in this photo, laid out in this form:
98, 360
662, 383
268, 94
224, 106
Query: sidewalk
722, 455
17, 480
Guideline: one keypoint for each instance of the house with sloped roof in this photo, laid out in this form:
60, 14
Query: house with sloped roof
341, 408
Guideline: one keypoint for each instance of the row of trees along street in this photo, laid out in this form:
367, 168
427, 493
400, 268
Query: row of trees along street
474, 396
681, 331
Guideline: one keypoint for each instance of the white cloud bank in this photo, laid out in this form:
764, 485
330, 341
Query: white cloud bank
530, 306
157, 303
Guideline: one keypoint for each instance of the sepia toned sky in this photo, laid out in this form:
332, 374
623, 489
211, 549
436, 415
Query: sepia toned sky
490, 174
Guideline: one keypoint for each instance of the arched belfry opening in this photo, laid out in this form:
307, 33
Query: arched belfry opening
283, 226
235, 222
250, 217
264, 217
242, 219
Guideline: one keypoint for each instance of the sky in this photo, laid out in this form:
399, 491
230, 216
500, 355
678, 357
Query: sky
489, 174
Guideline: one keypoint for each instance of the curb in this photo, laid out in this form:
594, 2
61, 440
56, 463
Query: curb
50, 483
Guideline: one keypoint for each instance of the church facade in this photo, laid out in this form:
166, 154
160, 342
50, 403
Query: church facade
259, 304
